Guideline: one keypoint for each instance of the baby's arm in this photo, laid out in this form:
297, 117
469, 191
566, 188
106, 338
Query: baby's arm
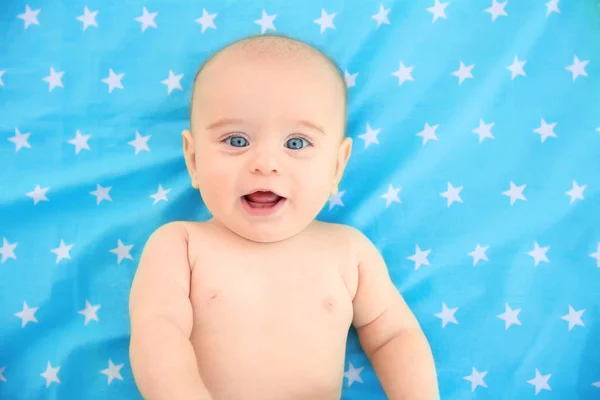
162, 357
389, 332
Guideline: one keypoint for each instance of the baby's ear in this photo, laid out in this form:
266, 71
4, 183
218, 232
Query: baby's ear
189, 154
343, 156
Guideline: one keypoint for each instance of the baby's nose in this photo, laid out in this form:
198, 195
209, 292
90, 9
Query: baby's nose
264, 162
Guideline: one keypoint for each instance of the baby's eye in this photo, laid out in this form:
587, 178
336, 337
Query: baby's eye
296, 143
236, 141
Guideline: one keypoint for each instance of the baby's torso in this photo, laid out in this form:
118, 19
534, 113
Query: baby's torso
271, 321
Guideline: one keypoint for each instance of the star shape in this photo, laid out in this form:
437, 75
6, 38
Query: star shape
510, 316
596, 384
420, 257
452, 194
517, 68
595, 255
29, 16
479, 254
539, 254
573, 317
391, 196
51, 374
447, 315
27, 315
8, 250
546, 130
353, 375
113, 80
54, 79
266, 22
497, 9
89, 312
438, 10
173, 82
122, 251
88, 18
2, 72
540, 382
2, 378
80, 141
20, 140
62, 251
382, 16
113, 371
336, 200
350, 78
578, 67
206, 20
552, 6
515, 192
403, 74
370, 136
463, 72
576, 193
325, 21
38, 194
476, 379
428, 133
140, 142
101, 193
484, 130
147, 19
160, 195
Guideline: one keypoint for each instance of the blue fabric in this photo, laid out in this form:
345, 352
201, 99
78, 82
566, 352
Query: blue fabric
491, 272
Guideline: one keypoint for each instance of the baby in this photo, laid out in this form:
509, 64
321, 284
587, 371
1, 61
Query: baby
256, 303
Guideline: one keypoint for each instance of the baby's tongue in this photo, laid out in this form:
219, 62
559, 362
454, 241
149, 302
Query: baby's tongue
263, 197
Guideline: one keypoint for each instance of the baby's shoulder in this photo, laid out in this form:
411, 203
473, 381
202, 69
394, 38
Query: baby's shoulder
347, 236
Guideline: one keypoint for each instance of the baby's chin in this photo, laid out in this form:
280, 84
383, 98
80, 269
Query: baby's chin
265, 232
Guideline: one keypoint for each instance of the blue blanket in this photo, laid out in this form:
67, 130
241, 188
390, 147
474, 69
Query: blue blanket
476, 172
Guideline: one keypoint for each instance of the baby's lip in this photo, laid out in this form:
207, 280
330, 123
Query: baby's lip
264, 190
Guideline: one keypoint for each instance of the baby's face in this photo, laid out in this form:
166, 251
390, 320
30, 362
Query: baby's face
267, 143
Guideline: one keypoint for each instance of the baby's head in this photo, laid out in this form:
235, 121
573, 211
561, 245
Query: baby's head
266, 145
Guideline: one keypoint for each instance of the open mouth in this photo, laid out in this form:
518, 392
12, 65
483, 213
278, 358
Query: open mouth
262, 202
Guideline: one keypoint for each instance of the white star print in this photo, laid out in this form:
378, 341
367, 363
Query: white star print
27, 315
29, 16
596, 384
113, 80
370, 136
266, 22
517, 68
173, 82
539, 254
452, 194
160, 195
403, 74
595, 255
336, 200
573, 317
88, 18
420, 257
80, 141
122, 251
484, 130
576, 193
515, 193
540, 382
510, 316
552, 6
350, 78
463, 72
51, 374
101, 193
8, 250
382, 16
353, 375
2, 72
325, 21
207, 20
38, 194
112, 371
391, 195
62, 251
20, 140
147, 19
2, 378
447, 315
54, 79
476, 379
438, 10
578, 67
428, 133
497, 9
546, 130
89, 312
140, 142
479, 254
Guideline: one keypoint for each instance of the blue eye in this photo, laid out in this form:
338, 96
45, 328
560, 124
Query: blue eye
296, 143
236, 141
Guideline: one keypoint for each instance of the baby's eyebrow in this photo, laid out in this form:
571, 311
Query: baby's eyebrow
238, 121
